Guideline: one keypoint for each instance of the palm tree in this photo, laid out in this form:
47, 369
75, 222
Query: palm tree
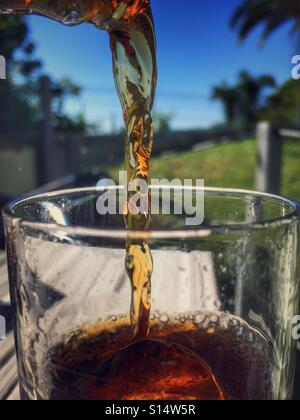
250, 93
271, 13
243, 102
229, 98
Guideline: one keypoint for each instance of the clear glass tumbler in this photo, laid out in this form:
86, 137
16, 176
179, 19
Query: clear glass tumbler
224, 295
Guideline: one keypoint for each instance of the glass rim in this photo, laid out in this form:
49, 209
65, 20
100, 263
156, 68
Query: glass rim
199, 231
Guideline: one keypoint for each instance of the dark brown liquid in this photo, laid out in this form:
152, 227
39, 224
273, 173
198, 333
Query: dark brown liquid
197, 357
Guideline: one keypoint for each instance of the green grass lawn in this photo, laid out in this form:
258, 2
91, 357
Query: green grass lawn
230, 165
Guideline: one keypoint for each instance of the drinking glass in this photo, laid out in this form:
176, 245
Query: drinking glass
224, 294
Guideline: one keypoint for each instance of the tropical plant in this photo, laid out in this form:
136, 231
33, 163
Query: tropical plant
163, 122
283, 107
243, 101
229, 98
272, 14
250, 92
20, 93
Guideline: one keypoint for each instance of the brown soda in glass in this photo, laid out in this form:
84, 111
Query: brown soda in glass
198, 356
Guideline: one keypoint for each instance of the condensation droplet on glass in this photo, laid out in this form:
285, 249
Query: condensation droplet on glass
164, 319
234, 324
240, 332
214, 319
200, 318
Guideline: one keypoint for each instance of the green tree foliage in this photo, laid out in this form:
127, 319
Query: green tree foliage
62, 122
271, 14
242, 102
283, 107
227, 95
250, 92
163, 122
20, 93
17, 101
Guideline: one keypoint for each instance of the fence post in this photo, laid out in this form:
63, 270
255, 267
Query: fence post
269, 159
46, 147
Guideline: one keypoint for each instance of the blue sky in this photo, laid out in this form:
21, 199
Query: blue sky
196, 50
